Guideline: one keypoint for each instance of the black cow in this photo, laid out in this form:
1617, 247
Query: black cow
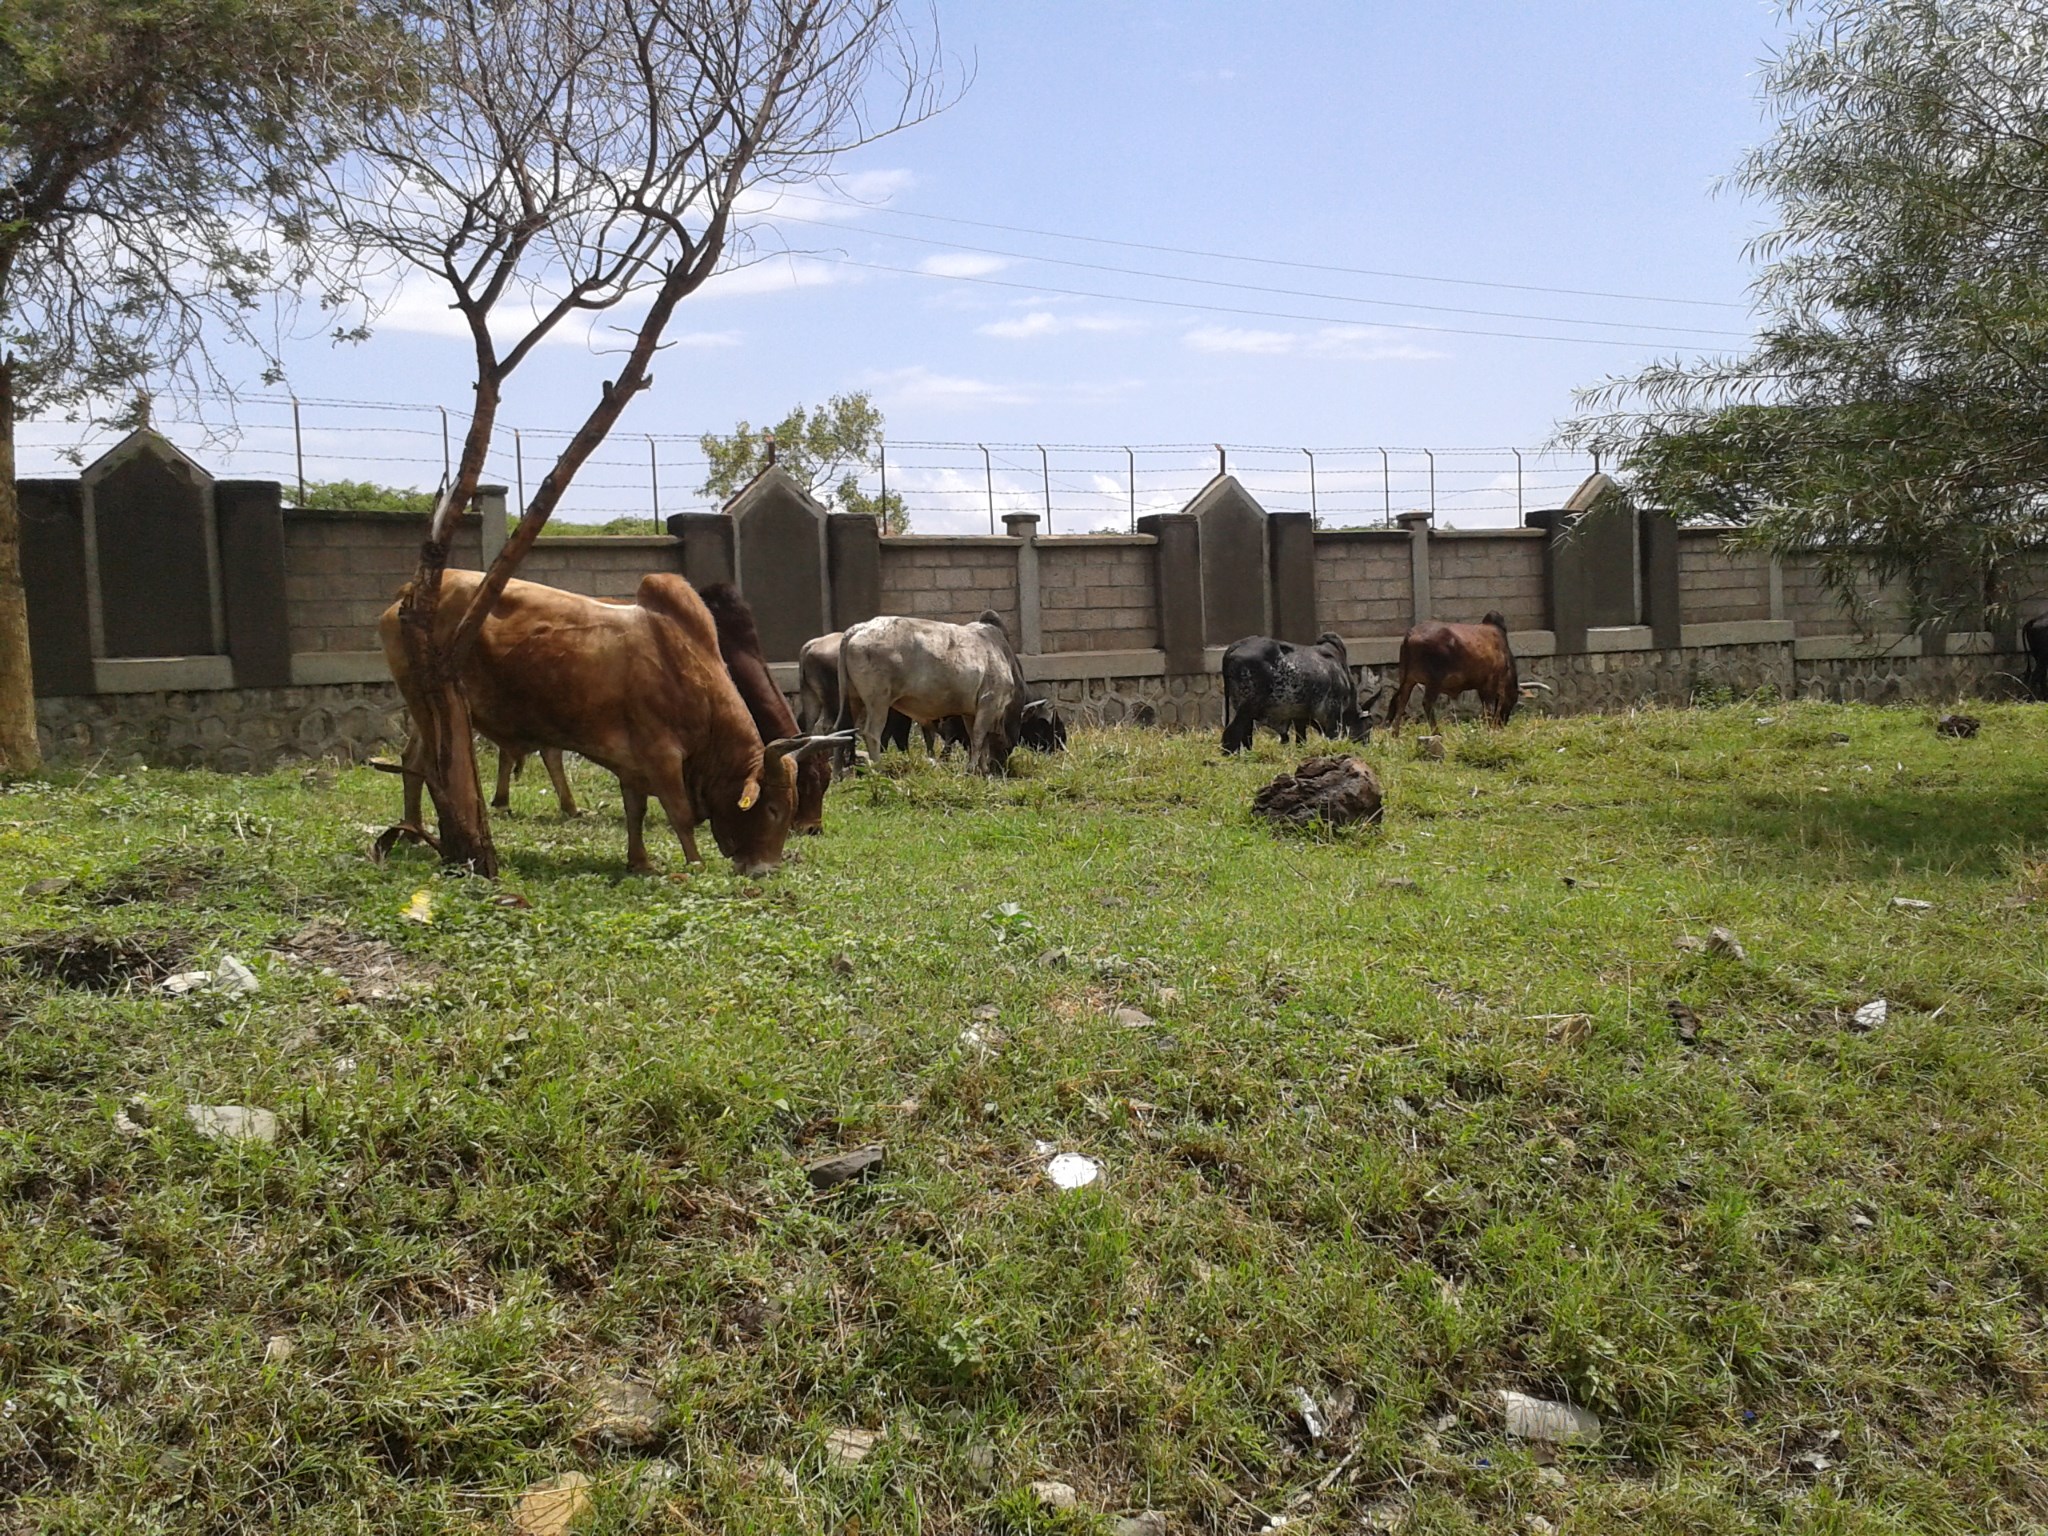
1279, 684
2034, 640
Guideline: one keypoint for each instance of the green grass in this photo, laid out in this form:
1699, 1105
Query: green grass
1366, 1150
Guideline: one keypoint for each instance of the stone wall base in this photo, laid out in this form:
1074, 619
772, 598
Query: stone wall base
240, 730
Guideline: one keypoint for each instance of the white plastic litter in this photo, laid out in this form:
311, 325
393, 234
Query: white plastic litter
229, 976
1909, 904
1070, 1170
1551, 1423
1872, 1014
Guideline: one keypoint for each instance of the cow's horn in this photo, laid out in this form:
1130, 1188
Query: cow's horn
797, 748
1535, 688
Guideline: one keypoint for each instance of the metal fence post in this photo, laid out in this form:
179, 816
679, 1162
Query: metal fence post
988, 474
1386, 490
1045, 474
1312, 518
1131, 475
447, 464
1518, 485
299, 449
519, 468
1432, 483
882, 455
654, 481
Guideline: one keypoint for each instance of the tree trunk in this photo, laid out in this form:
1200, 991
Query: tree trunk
19, 752
447, 742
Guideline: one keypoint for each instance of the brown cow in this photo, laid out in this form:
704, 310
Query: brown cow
739, 643
1446, 659
636, 688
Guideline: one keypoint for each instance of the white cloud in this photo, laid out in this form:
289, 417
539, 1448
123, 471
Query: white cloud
1360, 344
1043, 322
920, 388
961, 264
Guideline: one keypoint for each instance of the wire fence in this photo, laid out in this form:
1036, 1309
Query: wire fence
946, 486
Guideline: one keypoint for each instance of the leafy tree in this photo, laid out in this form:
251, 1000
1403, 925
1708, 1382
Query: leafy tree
365, 496
824, 449
1893, 412
154, 184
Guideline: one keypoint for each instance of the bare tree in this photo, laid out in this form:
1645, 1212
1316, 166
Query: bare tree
576, 157
156, 181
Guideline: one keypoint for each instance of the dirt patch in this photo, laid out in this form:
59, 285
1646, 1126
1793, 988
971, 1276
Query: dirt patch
95, 961
170, 874
374, 971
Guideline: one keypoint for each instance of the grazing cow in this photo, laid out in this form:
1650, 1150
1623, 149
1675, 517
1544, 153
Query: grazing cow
1278, 684
637, 688
818, 707
2034, 640
739, 643
931, 671
1446, 659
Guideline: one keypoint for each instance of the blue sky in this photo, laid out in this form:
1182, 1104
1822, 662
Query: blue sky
1565, 146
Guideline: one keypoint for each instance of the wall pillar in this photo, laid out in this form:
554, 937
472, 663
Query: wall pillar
250, 525
853, 556
1177, 571
53, 572
489, 505
1777, 588
1023, 527
1417, 524
1659, 539
706, 539
1291, 544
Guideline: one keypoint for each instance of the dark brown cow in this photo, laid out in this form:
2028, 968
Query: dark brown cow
739, 642
637, 688
1444, 660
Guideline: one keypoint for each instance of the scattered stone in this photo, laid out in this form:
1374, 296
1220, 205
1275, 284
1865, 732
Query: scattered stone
1335, 791
1168, 996
1400, 883
842, 964
232, 1122
553, 1507
1838, 738
1871, 1015
50, 887
1685, 1021
1056, 1495
1536, 1525
1431, 748
1151, 1523
1311, 1413
277, 1349
1551, 1423
623, 1413
1070, 1170
1056, 959
1134, 1018
372, 970
1692, 944
1722, 941
1571, 1030
1550, 1477
1807, 1463
987, 1013
132, 1119
849, 1446
1909, 904
1386, 1518
984, 1037
845, 1167
1961, 726
980, 1459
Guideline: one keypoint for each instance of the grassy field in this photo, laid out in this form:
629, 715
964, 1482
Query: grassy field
1401, 1119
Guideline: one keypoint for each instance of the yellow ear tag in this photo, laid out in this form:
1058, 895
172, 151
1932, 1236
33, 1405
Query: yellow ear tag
749, 795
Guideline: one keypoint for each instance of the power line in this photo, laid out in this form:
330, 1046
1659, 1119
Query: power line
1293, 293
1225, 309
1264, 261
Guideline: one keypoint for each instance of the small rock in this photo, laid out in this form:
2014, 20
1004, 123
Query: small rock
980, 1460
1552, 1423
624, 1413
1057, 959
654, 1474
845, 1167
277, 1349
1056, 1495
1908, 904
1311, 1414
1550, 1477
1692, 944
1685, 1021
1722, 941
1386, 1518
1431, 748
1963, 726
553, 1507
842, 964
1839, 738
987, 1013
1871, 1015
1134, 1018
1151, 1523
1807, 1463
850, 1446
232, 1122
132, 1119
1168, 996
1536, 1525
1399, 883
984, 1037
47, 887
1572, 1030
1070, 1170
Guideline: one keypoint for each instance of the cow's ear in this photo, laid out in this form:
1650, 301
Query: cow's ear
750, 794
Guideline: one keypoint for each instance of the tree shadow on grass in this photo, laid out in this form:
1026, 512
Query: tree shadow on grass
1954, 829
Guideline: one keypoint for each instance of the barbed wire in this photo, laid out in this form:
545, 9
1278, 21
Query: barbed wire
947, 485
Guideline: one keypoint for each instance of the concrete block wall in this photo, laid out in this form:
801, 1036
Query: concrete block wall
1473, 573
1719, 585
1363, 582
1098, 593
951, 579
1816, 610
342, 569
609, 568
